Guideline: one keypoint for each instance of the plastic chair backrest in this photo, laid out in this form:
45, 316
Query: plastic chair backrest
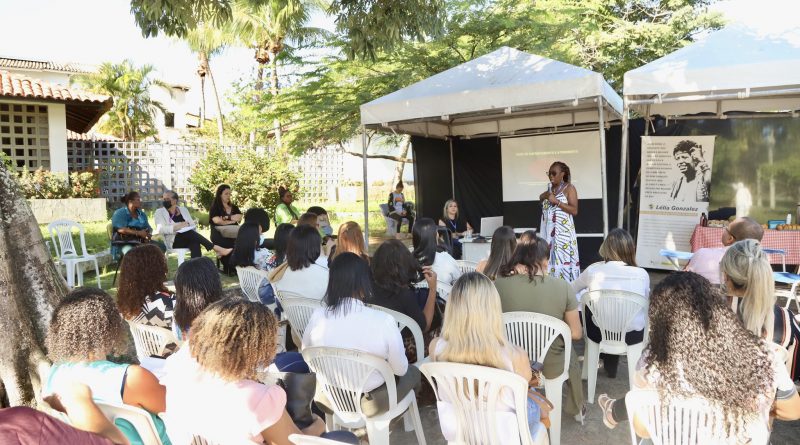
474, 393
535, 333
613, 311
300, 439
298, 310
443, 289
404, 321
467, 266
384, 209
681, 422
139, 418
342, 374
61, 233
150, 340
250, 280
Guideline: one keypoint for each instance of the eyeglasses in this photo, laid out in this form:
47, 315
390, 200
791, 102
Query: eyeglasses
551, 173
729, 233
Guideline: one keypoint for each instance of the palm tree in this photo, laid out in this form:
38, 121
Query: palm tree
133, 114
266, 28
208, 41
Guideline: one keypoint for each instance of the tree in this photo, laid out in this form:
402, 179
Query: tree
367, 25
133, 113
31, 287
208, 41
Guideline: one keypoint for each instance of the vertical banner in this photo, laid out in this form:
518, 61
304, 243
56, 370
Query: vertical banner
675, 190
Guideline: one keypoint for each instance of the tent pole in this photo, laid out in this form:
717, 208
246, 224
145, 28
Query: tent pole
602, 127
452, 170
623, 163
366, 193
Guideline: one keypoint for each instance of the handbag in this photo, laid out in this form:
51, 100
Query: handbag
300, 389
230, 231
544, 406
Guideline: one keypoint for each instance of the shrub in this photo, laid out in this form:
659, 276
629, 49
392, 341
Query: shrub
85, 184
254, 177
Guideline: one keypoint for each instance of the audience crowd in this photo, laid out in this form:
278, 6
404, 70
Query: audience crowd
716, 334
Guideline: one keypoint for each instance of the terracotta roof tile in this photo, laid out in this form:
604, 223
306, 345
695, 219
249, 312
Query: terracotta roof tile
91, 136
16, 85
44, 65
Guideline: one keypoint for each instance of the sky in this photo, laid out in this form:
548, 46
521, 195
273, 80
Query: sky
96, 31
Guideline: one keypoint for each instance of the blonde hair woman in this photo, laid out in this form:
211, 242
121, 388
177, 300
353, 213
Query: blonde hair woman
473, 334
350, 239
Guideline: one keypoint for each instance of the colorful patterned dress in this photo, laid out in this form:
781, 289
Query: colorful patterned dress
558, 229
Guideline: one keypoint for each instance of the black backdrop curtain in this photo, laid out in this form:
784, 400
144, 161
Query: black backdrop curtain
478, 184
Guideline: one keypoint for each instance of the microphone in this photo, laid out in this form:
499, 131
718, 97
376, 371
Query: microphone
549, 187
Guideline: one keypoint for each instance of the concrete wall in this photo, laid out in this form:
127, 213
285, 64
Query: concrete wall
76, 209
57, 121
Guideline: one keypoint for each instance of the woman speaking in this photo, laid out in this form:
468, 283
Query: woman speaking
559, 205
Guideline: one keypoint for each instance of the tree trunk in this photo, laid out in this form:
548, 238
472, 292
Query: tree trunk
202, 70
273, 77
220, 128
259, 86
31, 287
400, 167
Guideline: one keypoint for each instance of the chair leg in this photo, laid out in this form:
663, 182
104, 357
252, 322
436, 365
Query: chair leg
79, 273
378, 432
553, 390
593, 357
97, 274
414, 411
634, 353
70, 266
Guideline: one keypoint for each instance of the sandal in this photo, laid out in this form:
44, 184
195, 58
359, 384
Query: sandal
606, 404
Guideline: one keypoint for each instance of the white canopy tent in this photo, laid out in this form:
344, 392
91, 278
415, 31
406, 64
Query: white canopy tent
741, 68
503, 93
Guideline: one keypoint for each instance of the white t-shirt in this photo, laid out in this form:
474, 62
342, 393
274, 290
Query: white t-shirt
200, 403
615, 275
363, 329
310, 282
447, 272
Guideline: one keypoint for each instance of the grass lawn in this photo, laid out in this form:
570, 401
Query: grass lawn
97, 240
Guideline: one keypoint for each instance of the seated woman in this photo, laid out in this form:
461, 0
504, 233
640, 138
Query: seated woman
303, 273
699, 349
350, 239
247, 253
171, 218
474, 312
197, 286
398, 209
231, 341
323, 222
130, 227
346, 322
455, 224
617, 271
394, 272
84, 330
428, 252
260, 217
223, 213
504, 241
747, 279
141, 295
524, 285
286, 212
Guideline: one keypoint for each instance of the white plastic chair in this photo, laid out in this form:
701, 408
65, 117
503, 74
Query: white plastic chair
443, 289
613, 312
250, 279
342, 374
150, 340
298, 310
61, 233
682, 422
180, 253
404, 321
466, 266
535, 333
474, 393
300, 439
788, 283
139, 418
391, 225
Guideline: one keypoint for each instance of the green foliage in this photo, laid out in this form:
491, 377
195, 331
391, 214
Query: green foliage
132, 115
178, 17
85, 184
254, 177
44, 184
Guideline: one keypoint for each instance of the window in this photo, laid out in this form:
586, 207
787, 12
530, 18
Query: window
169, 120
31, 151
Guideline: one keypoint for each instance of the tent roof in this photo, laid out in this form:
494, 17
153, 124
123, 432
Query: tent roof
747, 67
502, 91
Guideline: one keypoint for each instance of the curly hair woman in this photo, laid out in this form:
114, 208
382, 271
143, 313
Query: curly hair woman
141, 295
699, 349
230, 342
86, 328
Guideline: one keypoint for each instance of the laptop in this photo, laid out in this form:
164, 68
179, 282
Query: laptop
489, 225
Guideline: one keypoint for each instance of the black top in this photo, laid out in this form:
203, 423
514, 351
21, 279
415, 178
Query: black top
177, 217
458, 225
221, 212
404, 302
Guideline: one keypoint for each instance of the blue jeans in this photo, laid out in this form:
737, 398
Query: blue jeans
534, 416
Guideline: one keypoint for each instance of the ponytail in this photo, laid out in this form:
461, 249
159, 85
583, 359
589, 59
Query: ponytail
748, 268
